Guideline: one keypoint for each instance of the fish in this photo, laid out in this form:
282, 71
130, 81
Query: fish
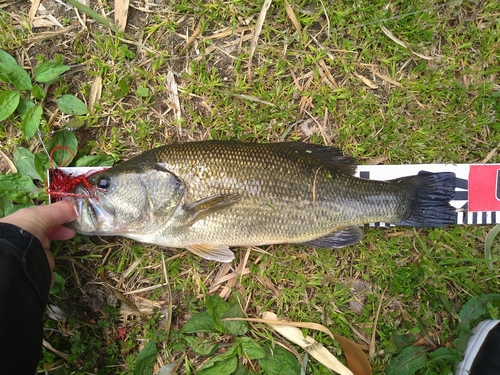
210, 196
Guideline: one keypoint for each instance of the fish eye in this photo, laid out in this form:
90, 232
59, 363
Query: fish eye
104, 182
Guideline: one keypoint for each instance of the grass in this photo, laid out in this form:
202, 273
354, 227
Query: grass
309, 87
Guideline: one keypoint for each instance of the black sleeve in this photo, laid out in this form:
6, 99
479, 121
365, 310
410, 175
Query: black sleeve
25, 280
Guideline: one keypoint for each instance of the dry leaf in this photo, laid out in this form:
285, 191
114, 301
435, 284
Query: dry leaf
307, 343
366, 81
356, 358
121, 13
256, 34
174, 94
392, 37
95, 93
293, 17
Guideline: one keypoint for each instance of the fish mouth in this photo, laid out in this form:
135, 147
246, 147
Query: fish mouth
96, 215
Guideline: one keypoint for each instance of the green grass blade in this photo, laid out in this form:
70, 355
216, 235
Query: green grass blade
489, 242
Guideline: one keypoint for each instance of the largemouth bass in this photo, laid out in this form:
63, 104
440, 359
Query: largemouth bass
212, 195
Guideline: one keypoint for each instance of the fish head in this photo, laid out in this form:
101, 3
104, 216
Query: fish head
126, 200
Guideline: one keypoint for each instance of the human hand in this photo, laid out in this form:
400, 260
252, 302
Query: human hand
45, 223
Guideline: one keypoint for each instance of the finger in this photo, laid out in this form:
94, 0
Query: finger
58, 213
60, 233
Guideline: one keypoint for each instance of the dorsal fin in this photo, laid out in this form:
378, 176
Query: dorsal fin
330, 156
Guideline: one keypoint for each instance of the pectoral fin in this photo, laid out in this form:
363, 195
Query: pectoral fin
205, 206
340, 238
220, 253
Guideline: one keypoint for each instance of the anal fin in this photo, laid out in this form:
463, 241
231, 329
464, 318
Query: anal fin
340, 238
220, 253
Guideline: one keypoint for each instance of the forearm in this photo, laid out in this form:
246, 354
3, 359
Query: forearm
25, 279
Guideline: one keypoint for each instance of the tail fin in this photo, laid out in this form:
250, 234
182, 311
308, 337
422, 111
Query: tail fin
431, 194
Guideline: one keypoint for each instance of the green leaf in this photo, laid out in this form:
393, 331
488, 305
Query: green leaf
223, 364
15, 75
62, 148
201, 346
223, 367
447, 355
71, 105
492, 234
24, 160
124, 88
146, 359
8, 103
95, 161
142, 91
38, 92
49, 70
17, 188
6, 58
23, 107
235, 327
217, 307
74, 123
31, 121
200, 322
7, 207
250, 348
475, 308
409, 361
42, 164
59, 284
279, 362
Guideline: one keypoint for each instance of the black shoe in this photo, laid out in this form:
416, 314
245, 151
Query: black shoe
482, 355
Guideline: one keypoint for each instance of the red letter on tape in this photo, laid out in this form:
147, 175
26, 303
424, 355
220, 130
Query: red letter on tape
484, 188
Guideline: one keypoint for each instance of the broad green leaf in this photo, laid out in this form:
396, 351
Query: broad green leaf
49, 70
146, 359
235, 327
59, 284
17, 188
124, 88
31, 121
62, 148
7, 207
142, 91
38, 92
201, 346
8, 103
447, 355
42, 164
16, 75
6, 58
410, 360
74, 123
217, 307
23, 107
200, 322
223, 364
223, 367
71, 105
24, 160
475, 308
279, 361
95, 161
250, 348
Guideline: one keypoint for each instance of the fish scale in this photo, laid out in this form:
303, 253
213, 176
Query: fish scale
247, 194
